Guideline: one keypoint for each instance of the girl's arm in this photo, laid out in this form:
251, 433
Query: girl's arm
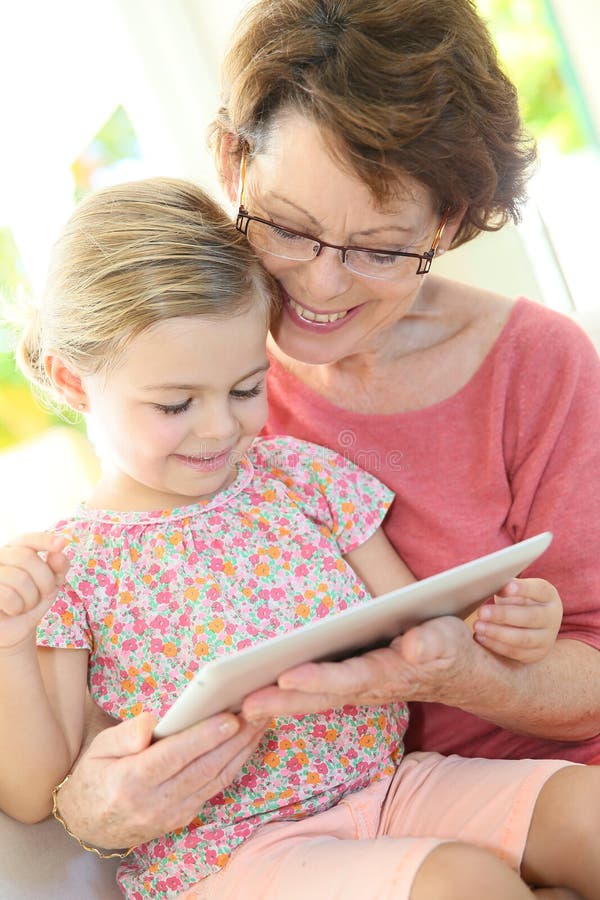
522, 623
42, 692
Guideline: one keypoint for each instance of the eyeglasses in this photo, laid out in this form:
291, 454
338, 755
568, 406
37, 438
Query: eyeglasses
286, 243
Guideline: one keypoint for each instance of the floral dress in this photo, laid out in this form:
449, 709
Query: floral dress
154, 595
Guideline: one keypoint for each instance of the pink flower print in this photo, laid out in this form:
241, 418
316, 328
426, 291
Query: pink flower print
185, 619
322, 768
246, 642
161, 624
263, 612
319, 730
168, 575
86, 588
164, 597
211, 856
159, 850
249, 780
173, 883
139, 626
307, 551
301, 571
242, 829
191, 840
293, 765
129, 645
156, 645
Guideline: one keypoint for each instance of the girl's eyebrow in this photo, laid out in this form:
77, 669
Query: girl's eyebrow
177, 386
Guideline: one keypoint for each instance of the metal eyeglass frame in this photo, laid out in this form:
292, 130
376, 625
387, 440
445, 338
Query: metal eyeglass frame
244, 218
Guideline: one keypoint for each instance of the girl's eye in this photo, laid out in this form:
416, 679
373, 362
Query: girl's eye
246, 395
173, 410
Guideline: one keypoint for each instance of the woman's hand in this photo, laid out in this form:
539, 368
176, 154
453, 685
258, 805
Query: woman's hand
523, 621
431, 662
29, 583
124, 790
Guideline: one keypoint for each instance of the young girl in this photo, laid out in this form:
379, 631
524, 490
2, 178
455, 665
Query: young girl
200, 540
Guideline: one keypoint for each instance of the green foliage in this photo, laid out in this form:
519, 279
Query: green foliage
115, 141
533, 58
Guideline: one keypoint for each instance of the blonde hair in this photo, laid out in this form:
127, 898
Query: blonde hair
399, 87
130, 256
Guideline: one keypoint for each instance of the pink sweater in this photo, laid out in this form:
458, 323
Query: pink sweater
514, 452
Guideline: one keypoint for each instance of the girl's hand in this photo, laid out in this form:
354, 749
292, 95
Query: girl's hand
29, 583
523, 621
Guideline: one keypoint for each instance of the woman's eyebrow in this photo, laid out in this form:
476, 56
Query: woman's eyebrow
366, 232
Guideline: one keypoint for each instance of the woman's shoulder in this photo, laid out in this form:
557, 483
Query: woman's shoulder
521, 328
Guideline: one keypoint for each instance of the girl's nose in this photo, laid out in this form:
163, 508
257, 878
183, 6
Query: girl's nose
217, 422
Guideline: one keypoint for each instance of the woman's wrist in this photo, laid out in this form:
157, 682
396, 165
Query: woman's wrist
98, 851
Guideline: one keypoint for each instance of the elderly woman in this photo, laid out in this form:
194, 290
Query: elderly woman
362, 140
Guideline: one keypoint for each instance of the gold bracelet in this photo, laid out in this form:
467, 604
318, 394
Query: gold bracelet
103, 854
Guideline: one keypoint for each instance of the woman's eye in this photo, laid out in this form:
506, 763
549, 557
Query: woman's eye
384, 259
286, 235
173, 410
246, 395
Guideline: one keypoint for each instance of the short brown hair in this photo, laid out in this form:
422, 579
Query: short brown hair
402, 86
133, 255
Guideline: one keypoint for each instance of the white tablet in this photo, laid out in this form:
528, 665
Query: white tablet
223, 683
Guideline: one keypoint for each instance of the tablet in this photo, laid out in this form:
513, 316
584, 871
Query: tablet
223, 683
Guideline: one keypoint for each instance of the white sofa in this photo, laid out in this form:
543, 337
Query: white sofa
41, 862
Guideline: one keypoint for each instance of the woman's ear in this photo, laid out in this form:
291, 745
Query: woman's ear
67, 383
229, 164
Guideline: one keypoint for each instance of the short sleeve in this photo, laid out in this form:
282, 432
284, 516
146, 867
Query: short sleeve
552, 449
332, 490
65, 625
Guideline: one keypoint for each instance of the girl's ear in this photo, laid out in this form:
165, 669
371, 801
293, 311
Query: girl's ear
67, 383
229, 164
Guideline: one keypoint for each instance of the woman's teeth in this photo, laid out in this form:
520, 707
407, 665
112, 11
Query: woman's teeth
316, 317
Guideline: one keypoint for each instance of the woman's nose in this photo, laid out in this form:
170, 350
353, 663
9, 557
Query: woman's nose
326, 277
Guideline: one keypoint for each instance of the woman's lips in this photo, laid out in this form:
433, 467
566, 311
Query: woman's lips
316, 321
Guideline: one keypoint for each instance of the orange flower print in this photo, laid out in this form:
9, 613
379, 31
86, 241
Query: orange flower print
272, 760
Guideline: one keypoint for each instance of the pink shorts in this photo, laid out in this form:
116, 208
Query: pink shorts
372, 843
